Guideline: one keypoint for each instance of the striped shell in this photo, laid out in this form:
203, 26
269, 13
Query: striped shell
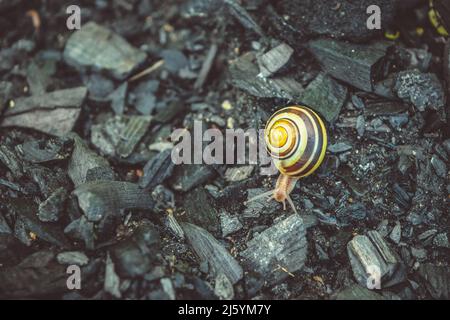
296, 139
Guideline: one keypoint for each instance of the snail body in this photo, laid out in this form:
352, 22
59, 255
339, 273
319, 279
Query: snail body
296, 139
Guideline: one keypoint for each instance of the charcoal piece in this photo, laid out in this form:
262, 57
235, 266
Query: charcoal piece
200, 210
354, 212
135, 256
72, 258
326, 96
384, 108
360, 125
164, 198
356, 292
112, 280
100, 198
396, 233
28, 222
39, 259
172, 224
96, 47
174, 60
235, 174
4, 227
254, 209
437, 280
370, 257
244, 75
355, 64
5, 92
168, 112
275, 59
81, 229
206, 67
242, 15
11, 160
340, 147
187, 177
229, 224
358, 187
52, 208
54, 113
38, 76
277, 251
441, 241
118, 136
423, 90
210, 250
42, 151
48, 180
340, 20
85, 161
144, 98
24, 282
439, 166
99, 87
223, 288
118, 97
157, 170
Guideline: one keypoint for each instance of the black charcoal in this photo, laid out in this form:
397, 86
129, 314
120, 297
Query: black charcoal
355, 64
52, 208
244, 75
370, 257
275, 59
118, 136
210, 250
157, 169
54, 113
423, 90
100, 198
326, 96
96, 47
277, 251
200, 210
84, 163
72, 258
187, 177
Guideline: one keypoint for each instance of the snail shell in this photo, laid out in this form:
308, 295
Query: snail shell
296, 139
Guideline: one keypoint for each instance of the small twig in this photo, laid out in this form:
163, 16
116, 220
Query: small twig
147, 71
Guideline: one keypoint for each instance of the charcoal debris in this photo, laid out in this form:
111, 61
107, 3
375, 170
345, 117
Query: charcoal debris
201, 211
187, 177
235, 174
157, 170
52, 208
275, 59
100, 198
355, 64
54, 113
72, 258
96, 47
423, 90
371, 256
136, 255
277, 251
326, 96
210, 250
244, 73
346, 20
229, 224
357, 292
119, 135
85, 165
112, 280
437, 280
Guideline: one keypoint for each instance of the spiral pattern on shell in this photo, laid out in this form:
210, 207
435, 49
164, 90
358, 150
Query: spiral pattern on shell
296, 139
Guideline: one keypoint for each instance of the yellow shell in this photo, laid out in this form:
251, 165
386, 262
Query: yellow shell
296, 139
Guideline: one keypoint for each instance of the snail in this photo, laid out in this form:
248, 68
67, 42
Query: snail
296, 139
